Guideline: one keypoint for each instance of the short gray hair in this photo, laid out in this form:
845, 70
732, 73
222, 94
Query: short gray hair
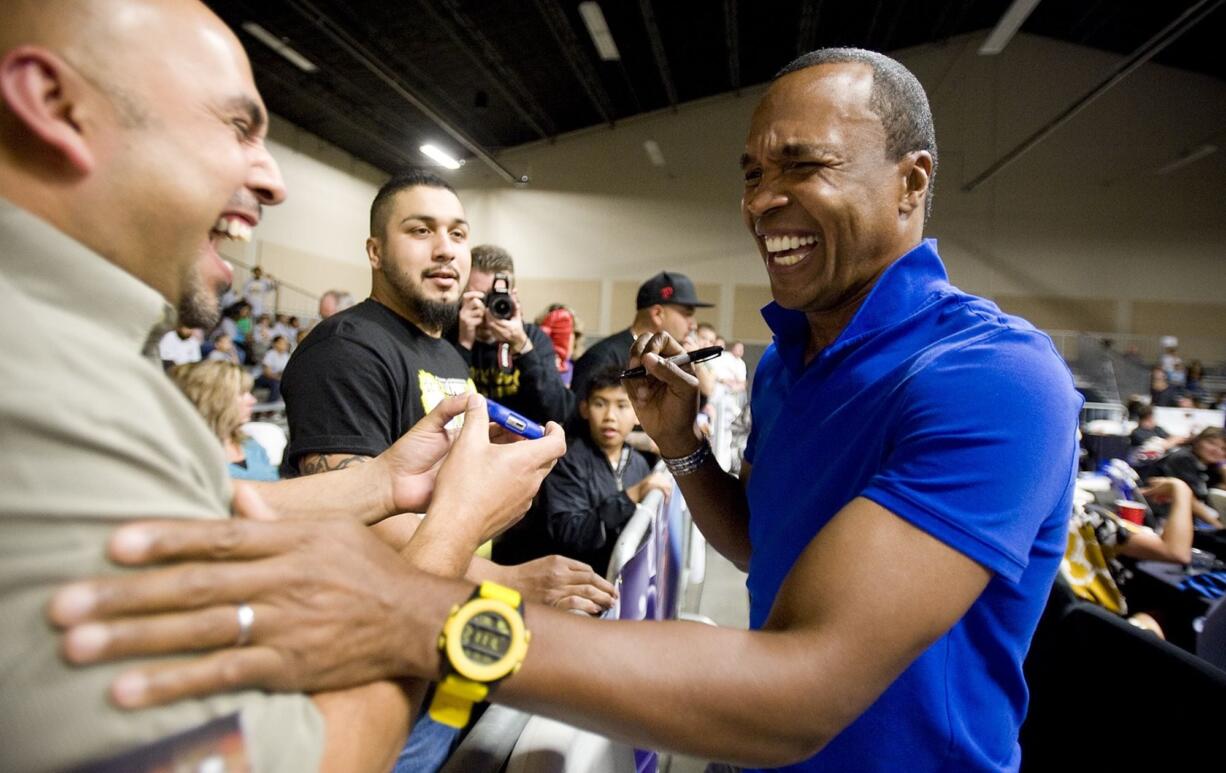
897, 98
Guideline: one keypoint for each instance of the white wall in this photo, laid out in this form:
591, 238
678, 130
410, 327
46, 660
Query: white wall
316, 239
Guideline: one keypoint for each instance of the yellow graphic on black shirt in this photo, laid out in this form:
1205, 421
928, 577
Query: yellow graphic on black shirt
434, 390
496, 382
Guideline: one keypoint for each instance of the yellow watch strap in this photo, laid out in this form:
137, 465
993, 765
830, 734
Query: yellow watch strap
492, 590
453, 700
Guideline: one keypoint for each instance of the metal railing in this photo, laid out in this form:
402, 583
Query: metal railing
1144, 349
289, 298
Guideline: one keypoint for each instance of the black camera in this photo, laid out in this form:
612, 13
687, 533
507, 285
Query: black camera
498, 300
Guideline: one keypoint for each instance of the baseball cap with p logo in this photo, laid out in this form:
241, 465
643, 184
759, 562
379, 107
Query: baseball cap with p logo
668, 287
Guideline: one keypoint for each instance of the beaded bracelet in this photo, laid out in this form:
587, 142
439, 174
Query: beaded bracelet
688, 464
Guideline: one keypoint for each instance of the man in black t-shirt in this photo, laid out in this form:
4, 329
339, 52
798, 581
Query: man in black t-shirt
665, 304
510, 361
364, 376
367, 374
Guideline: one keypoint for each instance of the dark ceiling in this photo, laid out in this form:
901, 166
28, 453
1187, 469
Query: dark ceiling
509, 72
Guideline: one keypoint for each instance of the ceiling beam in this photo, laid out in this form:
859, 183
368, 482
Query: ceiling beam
657, 51
806, 28
941, 31
311, 91
469, 38
732, 42
888, 39
582, 68
375, 64
1169, 34
872, 26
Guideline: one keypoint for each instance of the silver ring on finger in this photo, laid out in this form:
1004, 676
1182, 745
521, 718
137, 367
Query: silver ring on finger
246, 621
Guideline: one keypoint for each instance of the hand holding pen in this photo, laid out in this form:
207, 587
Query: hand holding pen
698, 355
664, 392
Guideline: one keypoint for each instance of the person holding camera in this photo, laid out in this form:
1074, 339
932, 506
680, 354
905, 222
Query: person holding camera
509, 360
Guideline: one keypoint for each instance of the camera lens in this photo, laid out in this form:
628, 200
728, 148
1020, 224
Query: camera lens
502, 307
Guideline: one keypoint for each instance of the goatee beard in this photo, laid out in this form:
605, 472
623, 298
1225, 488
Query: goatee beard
433, 316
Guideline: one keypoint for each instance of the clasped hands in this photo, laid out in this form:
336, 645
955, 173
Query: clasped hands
334, 606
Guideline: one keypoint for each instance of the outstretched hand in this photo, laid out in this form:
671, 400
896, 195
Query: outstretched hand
560, 582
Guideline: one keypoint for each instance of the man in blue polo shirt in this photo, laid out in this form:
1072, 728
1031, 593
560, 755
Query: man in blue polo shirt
913, 447
912, 462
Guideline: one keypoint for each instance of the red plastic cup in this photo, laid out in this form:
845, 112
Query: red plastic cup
1130, 511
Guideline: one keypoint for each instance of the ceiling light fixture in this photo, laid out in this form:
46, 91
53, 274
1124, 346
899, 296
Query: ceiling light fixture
280, 46
598, 28
1007, 27
654, 153
1192, 156
439, 157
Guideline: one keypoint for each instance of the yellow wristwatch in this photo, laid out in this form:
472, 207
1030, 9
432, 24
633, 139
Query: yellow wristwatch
483, 642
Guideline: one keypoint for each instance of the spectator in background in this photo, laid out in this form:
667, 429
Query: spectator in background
1192, 381
230, 325
665, 304
590, 495
179, 346
224, 350
333, 301
221, 391
1161, 393
559, 323
1148, 437
272, 366
737, 351
281, 327
509, 361
1170, 355
262, 336
256, 290
1199, 465
243, 323
1178, 377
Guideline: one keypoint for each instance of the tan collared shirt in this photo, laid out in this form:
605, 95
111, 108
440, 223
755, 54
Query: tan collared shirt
92, 433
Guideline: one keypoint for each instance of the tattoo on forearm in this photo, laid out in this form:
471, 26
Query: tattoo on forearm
313, 463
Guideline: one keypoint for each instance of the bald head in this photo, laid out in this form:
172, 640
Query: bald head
104, 38
129, 125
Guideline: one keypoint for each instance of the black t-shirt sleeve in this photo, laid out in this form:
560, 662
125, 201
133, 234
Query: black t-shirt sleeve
338, 400
542, 394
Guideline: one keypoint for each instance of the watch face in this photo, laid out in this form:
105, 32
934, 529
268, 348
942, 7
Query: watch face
486, 638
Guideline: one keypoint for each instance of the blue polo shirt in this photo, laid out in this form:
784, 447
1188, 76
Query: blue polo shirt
959, 419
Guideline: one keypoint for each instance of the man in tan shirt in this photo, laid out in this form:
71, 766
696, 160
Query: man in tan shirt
130, 132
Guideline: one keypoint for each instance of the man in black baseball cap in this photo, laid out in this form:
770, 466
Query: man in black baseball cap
665, 303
